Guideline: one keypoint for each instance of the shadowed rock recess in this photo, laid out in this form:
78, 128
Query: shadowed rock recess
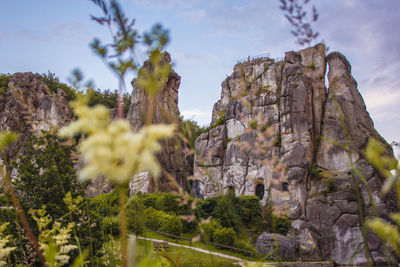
311, 124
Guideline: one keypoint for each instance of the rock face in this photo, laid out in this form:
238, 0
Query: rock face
288, 250
174, 158
28, 106
305, 124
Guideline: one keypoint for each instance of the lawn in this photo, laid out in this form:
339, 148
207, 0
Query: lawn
188, 257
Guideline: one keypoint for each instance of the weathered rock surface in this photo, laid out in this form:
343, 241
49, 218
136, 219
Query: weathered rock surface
174, 157
306, 123
28, 106
288, 249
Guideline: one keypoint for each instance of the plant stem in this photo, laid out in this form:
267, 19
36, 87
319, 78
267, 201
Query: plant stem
20, 211
123, 229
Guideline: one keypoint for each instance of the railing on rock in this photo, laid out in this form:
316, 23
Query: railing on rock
249, 58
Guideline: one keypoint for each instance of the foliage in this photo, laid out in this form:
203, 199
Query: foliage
330, 184
7, 138
296, 14
389, 167
209, 229
161, 221
53, 83
282, 224
224, 236
4, 79
111, 148
107, 98
242, 244
54, 241
191, 130
5, 248
136, 220
104, 205
110, 226
46, 174
253, 124
278, 140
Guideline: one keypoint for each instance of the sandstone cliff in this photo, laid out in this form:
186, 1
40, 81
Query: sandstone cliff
174, 158
318, 135
28, 106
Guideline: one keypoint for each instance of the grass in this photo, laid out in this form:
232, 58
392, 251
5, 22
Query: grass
198, 245
187, 258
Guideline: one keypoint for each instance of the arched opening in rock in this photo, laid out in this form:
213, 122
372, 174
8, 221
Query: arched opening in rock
285, 187
260, 190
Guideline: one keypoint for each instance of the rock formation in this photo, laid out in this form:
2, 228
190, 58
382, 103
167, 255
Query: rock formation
174, 158
318, 135
28, 106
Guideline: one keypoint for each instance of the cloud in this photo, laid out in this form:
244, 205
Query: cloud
194, 15
381, 99
189, 58
72, 31
202, 117
167, 3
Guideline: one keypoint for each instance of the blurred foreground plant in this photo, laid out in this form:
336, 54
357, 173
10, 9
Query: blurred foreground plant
389, 167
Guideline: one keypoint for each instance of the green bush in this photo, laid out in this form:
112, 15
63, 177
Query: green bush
104, 205
110, 225
151, 200
53, 83
210, 228
160, 221
250, 208
153, 218
206, 207
4, 79
282, 224
224, 236
135, 214
171, 225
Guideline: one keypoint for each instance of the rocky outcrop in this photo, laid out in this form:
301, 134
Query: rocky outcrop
280, 112
287, 248
174, 157
28, 106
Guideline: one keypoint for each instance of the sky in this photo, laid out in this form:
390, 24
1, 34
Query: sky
207, 38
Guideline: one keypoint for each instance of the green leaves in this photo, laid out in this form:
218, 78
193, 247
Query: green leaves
377, 155
7, 138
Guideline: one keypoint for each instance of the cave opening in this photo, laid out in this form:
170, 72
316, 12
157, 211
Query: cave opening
260, 190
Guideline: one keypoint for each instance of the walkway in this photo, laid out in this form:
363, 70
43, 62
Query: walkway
243, 262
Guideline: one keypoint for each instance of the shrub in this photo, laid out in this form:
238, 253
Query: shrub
250, 208
104, 205
4, 79
109, 225
206, 207
210, 228
171, 224
224, 236
153, 218
168, 203
151, 200
135, 216
253, 124
160, 221
282, 224
53, 83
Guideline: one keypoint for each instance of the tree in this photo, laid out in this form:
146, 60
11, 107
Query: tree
46, 174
